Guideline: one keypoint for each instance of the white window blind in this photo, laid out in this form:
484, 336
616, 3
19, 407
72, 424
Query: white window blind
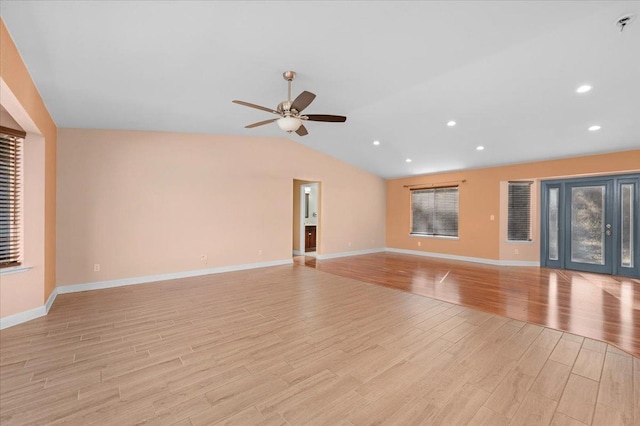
519, 223
10, 145
434, 212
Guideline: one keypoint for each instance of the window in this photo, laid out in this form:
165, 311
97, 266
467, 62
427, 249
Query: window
519, 225
434, 212
10, 144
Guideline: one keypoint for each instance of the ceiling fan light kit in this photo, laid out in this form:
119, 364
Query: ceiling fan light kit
290, 111
289, 124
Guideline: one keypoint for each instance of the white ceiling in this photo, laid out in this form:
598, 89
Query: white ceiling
505, 71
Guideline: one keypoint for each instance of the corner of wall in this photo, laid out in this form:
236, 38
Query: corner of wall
20, 97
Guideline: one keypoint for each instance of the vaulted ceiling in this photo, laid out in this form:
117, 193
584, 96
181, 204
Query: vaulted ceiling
505, 72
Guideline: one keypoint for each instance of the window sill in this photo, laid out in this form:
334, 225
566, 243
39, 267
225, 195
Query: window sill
437, 237
518, 242
14, 270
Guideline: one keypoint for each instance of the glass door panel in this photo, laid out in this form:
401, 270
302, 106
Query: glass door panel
588, 224
553, 224
628, 215
627, 231
589, 211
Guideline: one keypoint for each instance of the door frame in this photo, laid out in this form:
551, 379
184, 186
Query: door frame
303, 203
301, 218
564, 221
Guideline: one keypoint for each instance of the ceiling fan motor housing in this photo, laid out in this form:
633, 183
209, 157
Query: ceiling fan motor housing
284, 107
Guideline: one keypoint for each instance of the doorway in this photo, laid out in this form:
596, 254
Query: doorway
306, 217
591, 224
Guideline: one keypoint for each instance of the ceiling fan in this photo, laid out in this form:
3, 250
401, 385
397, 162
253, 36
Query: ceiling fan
290, 111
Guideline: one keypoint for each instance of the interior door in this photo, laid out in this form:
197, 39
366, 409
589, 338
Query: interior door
589, 230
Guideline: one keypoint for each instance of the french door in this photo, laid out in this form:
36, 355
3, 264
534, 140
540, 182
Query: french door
591, 224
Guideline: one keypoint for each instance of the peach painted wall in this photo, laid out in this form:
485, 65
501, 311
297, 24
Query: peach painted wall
143, 203
7, 120
480, 197
19, 96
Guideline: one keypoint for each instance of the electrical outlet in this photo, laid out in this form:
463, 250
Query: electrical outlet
259, 252
516, 251
96, 267
419, 243
492, 217
349, 244
203, 258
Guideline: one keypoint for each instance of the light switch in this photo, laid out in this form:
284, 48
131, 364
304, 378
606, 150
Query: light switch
492, 217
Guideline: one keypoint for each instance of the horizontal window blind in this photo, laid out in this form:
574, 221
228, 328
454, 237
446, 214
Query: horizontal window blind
9, 200
519, 223
435, 212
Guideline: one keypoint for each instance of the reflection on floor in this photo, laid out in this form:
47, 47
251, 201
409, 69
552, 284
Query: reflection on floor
292, 345
601, 307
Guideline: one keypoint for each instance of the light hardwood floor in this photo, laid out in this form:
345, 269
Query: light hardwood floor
602, 307
295, 345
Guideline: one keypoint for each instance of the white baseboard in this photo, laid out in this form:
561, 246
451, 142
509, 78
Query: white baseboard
29, 315
298, 253
41, 311
465, 258
21, 317
349, 253
50, 300
74, 288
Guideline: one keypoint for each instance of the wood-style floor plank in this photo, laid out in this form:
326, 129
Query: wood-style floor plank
601, 307
293, 345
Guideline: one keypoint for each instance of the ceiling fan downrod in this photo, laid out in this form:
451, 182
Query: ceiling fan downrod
289, 76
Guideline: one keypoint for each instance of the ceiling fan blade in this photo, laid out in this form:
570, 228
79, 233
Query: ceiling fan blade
271, 110
302, 101
260, 123
302, 131
329, 118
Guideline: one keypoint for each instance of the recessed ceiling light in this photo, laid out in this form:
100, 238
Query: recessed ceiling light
583, 89
408, 160
594, 128
451, 123
479, 147
376, 143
